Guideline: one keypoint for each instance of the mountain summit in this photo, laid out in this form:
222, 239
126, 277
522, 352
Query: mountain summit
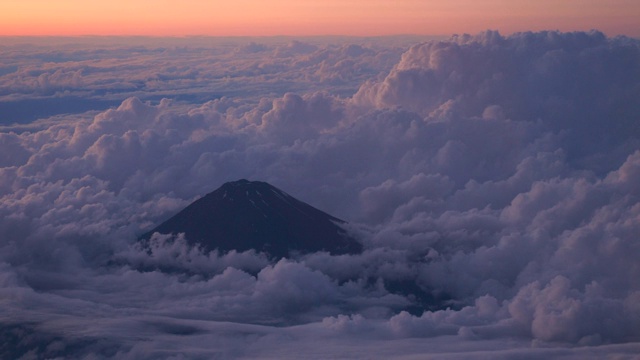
243, 215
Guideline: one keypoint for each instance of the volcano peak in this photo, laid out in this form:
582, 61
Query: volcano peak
243, 215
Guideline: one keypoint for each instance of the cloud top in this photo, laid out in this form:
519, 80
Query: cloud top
491, 179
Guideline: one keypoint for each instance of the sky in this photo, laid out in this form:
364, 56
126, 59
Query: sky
492, 179
306, 17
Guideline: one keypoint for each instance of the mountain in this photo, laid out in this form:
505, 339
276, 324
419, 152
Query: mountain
243, 215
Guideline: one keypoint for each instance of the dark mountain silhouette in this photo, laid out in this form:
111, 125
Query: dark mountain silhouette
243, 215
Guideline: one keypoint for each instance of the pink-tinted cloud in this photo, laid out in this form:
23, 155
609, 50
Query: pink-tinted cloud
491, 179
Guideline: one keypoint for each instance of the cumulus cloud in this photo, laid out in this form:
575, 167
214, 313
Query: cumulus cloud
492, 181
581, 84
62, 78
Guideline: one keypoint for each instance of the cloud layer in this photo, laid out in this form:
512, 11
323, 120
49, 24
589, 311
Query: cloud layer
492, 181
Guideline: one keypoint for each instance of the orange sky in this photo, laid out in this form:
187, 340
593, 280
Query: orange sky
318, 17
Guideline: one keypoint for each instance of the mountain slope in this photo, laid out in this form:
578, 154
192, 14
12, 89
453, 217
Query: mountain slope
243, 215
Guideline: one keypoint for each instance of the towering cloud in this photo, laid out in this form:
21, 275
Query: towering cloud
492, 181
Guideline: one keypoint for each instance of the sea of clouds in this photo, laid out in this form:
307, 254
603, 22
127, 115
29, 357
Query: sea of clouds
498, 174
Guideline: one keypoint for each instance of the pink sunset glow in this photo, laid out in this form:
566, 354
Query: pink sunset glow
286, 17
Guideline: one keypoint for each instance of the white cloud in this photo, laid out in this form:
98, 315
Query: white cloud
495, 175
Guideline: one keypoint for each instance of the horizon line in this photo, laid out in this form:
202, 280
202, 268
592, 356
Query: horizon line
188, 36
